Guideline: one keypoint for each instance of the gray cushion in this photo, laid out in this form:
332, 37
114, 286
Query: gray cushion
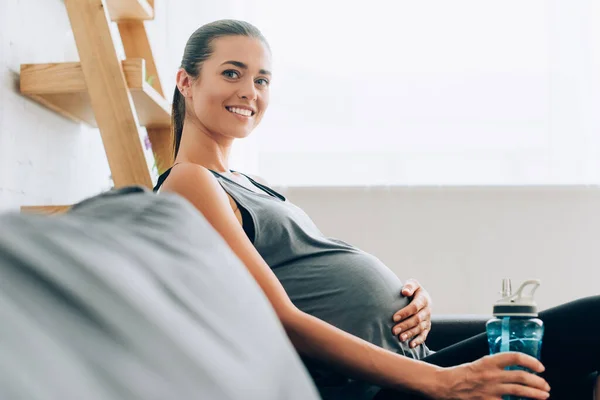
133, 295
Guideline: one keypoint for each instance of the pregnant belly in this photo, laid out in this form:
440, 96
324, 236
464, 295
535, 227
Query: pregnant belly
351, 290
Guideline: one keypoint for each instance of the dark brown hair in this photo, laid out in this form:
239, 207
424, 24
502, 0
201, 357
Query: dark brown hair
197, 50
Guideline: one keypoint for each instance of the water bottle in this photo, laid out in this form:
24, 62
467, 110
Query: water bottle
515, 326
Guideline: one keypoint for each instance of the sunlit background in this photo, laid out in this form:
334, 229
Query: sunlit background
468, 92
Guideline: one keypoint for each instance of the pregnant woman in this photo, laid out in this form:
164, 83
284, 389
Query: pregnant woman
340, 306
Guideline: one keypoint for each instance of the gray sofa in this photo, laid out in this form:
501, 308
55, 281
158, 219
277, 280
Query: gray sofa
132, 295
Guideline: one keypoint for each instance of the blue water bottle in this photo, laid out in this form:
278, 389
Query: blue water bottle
515, 326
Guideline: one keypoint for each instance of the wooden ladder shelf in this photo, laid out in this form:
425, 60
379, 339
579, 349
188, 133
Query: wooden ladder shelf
116, 96
62, 88
124, 10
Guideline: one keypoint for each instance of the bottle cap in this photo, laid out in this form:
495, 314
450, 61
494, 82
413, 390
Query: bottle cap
518, 304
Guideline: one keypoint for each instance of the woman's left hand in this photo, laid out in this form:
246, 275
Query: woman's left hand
414, 320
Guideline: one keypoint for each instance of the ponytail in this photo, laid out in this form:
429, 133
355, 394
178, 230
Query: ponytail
177, 117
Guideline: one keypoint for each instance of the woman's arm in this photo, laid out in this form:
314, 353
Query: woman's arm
313, 337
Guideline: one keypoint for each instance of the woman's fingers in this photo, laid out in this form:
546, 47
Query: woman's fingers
413, 332
413, 326
510, 358
486, 378
525, 378
420, 338
410, 286
420, 300
517, 382
410, 310
523, 391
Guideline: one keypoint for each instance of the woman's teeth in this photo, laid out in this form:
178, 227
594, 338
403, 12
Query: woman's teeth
241, 111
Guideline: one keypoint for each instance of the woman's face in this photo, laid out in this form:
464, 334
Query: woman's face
232, 92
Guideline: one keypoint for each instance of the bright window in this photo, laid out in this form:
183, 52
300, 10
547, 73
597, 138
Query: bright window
473, 92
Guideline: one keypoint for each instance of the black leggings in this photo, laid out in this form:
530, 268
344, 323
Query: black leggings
570, 351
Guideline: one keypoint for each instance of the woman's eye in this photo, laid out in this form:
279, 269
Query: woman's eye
262, 82
231, 74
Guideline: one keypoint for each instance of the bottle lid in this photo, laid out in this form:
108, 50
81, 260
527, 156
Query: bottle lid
518, 304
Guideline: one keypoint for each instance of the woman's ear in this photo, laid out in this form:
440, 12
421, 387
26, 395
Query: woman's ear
184, 83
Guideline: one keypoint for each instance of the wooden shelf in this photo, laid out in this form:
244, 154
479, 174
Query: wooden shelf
127, 10
62, 88
47, 210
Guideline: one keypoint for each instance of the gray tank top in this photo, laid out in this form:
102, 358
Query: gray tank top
326, 278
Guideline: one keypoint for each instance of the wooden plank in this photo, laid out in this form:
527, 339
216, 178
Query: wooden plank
162, 147
49, 210
152, 109
42, 82
61, 78
52, 78
109, 95
135, 72
123, 10
75, 106
137, 45
62, 88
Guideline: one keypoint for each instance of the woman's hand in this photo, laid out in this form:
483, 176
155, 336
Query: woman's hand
486, 379
414, 319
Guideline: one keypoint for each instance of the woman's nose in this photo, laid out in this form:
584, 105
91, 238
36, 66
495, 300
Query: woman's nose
248, 91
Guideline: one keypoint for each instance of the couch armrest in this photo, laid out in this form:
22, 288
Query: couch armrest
447, 330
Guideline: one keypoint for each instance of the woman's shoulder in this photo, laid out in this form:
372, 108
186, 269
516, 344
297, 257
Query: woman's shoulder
193, 181
182, 173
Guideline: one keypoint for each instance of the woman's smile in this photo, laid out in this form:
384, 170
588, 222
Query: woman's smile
243, 113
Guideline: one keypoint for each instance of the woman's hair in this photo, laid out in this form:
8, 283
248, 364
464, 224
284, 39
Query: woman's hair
197, 50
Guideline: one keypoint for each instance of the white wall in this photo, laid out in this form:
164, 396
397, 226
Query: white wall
44, 158
461, 241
